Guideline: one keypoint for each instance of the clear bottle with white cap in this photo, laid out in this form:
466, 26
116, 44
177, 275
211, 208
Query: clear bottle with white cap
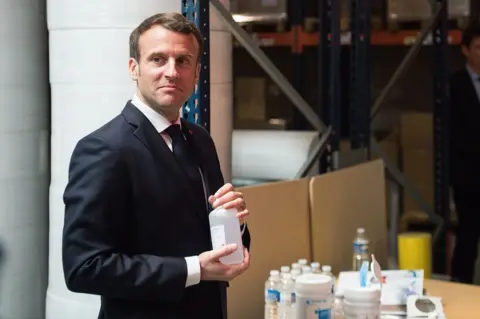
360, 249
296, 266
284, 270
272, 295
315, 267
295, 273
327, 271
285, 306
303, 262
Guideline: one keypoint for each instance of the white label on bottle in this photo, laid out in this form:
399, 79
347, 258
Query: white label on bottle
218, 236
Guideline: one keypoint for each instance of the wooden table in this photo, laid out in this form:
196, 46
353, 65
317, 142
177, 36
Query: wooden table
459, 301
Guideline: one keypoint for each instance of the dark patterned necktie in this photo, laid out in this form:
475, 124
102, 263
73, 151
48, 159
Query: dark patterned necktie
186, 158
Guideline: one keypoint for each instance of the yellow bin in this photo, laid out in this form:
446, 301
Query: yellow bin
415, 252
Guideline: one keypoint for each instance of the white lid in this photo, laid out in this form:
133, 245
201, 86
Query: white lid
274, 273
220, 211
313, 284
296, 266
362, 294
360, 230
302, 261
326, 268
315, 264
285, 269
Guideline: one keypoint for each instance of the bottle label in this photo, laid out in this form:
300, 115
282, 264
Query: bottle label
316, 309
218, 236
272, 295
360, 248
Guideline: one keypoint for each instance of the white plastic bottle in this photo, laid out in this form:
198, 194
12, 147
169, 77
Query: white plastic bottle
360, 249
296, 266
225, 229
314, 298
327, 271
285, 307
272, 295
315, 267
295, 273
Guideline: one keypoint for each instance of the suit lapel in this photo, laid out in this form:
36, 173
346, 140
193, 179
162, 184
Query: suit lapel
202, 161
154, 142
471, 92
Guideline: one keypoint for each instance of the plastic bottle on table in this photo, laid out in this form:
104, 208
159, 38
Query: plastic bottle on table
225, 229
296, 266
327, 271
295, 273
314, 298
285, 306
315, 267
284, 270
272, 295
360, 249
302, 262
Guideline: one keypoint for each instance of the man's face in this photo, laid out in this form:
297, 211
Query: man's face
167, 71
472, 53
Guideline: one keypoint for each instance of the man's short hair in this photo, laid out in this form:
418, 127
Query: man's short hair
470, 33
171, 21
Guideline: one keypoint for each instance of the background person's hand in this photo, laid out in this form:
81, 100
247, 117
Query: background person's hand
228, 197
212, 269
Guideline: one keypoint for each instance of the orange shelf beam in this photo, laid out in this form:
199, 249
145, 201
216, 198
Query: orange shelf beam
387, 38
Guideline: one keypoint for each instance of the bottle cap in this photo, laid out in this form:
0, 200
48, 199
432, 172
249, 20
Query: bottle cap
285, 269
315, 265
302, 261
326, 268
360, 230
274, 273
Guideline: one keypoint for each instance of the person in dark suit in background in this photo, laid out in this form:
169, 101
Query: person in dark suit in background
140, 189
465, 155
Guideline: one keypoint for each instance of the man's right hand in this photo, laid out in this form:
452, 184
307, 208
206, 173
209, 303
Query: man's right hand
213, 269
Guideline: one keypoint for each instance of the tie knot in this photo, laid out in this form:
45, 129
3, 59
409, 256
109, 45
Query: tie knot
174, 131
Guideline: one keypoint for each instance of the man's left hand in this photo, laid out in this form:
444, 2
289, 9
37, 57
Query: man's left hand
228, 197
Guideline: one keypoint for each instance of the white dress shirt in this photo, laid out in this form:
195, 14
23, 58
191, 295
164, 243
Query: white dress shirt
161, 124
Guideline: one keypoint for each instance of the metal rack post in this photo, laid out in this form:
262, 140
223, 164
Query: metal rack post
197, 108
329, 107
359, 104
298, 58
440, 121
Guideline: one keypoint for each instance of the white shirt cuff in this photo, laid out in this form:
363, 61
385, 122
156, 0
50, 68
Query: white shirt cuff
193, 271
243, 227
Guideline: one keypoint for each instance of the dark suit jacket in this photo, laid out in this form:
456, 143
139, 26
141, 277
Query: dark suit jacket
130, 219
464, 130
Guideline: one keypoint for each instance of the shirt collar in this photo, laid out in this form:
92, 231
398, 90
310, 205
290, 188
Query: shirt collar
475, 77
158, 121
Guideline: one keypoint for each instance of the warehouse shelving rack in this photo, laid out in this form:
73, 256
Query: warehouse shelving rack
329, 39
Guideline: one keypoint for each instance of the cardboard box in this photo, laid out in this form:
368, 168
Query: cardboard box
314, 218
418, 170
250, 98
416, 130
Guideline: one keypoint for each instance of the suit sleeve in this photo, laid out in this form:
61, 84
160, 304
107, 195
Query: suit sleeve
96, 214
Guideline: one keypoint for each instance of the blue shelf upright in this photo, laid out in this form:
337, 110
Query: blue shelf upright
197, 108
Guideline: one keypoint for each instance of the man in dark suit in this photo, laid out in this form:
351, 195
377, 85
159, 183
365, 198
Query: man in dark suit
465, 156
140, 189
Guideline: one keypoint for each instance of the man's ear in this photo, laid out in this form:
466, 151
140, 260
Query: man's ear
133, 69
197, 72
